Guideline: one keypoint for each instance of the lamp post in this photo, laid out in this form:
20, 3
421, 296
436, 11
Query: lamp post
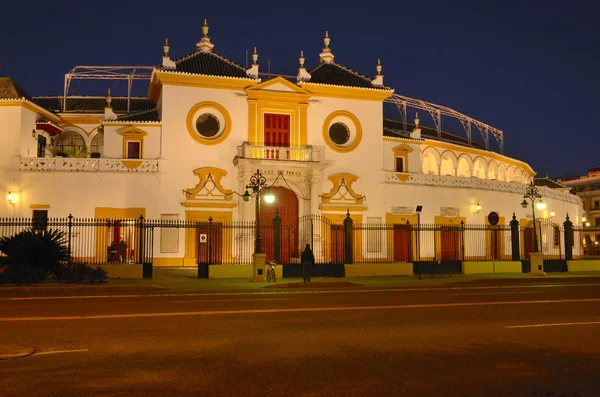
257, 183
532, 194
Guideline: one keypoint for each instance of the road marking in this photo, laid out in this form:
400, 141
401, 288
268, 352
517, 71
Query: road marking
420, 289
61, 351
552, 325
496, 293
232, 300
295, 310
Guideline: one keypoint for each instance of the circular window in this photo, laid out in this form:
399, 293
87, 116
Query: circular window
342, 131
339, 133
208, 125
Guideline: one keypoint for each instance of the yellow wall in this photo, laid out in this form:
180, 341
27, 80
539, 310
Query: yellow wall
488, 267
123, 270
584, 266
234, 271
379, 269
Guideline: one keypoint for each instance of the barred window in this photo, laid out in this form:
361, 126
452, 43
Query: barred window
97, 145
70, 144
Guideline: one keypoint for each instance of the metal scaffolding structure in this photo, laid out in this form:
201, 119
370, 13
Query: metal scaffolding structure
436, 112
128, 73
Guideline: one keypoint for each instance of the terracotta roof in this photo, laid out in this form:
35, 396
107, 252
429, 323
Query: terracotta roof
336, 74
146, 116
84, 104
209, 64
10, 90
549, 183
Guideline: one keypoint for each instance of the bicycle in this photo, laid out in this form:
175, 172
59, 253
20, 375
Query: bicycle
271, 272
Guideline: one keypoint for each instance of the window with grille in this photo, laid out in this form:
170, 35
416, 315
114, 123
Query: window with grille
70, 144
374, 234
97, 145
133, 150
41, 147
40, 219
399, 164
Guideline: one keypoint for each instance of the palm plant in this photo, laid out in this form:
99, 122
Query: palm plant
38, 249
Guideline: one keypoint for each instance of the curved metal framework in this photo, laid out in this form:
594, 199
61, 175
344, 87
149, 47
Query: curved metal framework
436, 112
129, 73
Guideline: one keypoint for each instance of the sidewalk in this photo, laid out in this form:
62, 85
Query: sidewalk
186, 281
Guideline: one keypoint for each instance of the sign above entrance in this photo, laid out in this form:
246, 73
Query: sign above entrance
402, 210
203, 238
449, 211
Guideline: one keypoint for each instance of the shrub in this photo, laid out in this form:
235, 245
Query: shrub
81, 273
21, 274
39, 250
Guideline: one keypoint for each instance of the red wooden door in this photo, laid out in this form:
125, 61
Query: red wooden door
277, 130
401, 243
209, 243
286, 203
337, 243
450, 244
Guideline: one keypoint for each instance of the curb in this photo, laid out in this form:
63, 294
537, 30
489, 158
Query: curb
46, 289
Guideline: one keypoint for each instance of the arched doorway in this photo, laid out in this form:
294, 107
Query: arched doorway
286, 203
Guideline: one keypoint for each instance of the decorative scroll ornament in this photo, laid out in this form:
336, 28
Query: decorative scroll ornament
342, 192
209, 186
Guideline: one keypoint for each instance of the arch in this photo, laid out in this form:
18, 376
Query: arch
518, 175
286, 205
465, 166
510, 173
493, 171
70, 144
480, 168
97, 145
502, 172
431, 161
429, 165
449, 164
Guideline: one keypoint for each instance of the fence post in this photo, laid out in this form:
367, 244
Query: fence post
514, 238
348, 239
209, 239
568, 239
462, 240
277, 236
69, 239
141, 240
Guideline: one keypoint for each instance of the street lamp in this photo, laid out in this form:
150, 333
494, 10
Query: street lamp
532, 194
258, 183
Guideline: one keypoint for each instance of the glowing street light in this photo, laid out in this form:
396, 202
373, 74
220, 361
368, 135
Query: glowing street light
532, 194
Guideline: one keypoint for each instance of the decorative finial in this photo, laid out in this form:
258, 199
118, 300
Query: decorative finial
546, 175
166, 47
326, 56
205, 28
378, 67
254, 57
417, 121
301, 59
108, 98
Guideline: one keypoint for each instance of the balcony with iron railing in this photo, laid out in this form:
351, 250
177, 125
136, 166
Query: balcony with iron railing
307, 154
75, 164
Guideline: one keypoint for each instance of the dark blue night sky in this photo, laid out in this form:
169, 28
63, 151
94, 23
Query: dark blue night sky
528, 68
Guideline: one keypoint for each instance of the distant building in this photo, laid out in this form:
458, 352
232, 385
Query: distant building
208, 123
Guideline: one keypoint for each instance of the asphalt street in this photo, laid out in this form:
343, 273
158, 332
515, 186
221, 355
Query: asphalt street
507, 340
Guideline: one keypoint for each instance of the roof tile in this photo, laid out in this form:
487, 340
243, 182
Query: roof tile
10, 90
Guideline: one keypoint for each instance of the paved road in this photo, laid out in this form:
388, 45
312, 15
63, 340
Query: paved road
519, 340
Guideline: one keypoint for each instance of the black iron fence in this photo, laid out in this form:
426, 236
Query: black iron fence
101, 241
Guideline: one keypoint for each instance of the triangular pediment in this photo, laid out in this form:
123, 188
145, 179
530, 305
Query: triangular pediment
278, 84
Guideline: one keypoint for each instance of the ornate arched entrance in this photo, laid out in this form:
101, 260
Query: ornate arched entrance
286, 203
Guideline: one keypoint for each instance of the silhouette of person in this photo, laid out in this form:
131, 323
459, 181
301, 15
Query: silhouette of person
308, 260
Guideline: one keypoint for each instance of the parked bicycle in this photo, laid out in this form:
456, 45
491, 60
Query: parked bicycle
271, 272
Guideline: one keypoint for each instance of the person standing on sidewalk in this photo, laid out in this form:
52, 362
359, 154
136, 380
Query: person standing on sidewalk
308, 260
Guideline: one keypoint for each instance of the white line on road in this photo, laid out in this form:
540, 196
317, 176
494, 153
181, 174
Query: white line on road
61, 351
496, 293
295, 310
232, 300
421, 289
552, 324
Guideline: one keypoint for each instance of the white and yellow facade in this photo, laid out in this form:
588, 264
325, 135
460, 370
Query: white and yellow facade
160, 166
